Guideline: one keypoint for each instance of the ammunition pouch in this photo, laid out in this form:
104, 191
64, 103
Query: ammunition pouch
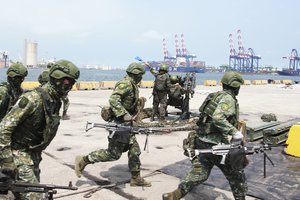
236, 158
107, 113
189, 143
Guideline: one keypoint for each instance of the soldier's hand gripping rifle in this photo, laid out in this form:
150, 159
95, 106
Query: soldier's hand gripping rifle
189, 85
123, 131
232, 153
8, 184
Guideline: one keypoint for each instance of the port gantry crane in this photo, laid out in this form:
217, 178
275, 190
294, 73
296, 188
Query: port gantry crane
242, 61
183, 55
294, 63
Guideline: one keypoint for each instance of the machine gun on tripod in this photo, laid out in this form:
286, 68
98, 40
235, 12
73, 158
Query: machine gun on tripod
189, 84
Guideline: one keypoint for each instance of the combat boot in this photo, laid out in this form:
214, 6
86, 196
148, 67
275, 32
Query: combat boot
65, 116
162, 120
137, 180
152, 118
175, 195
80, 163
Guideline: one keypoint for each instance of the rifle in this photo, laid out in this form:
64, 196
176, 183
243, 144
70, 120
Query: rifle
48, 189
126, 130
189, 88
224, 149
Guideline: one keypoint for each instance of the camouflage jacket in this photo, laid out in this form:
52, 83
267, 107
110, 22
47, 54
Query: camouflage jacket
124, 97
31, 123
176, 91
162, 82
219, 117
8, 98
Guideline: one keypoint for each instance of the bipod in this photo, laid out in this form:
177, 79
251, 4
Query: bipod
265, 162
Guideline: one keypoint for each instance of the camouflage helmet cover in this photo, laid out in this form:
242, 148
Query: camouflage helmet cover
64, 68
136, 68
232, 79
44, 77
17, 69
164, 68
174, 79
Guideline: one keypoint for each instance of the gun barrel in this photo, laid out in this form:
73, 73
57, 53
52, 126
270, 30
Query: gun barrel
32, 187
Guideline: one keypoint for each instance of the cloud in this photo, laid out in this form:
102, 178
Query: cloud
150, 35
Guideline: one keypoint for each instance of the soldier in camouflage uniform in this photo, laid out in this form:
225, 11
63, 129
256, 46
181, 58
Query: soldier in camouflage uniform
217, 124
175, 92
43, 79
32, 123
161, 87
124, 103
11, 90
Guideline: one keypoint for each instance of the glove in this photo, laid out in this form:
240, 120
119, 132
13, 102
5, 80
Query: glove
127, 117
9, 168
238, 136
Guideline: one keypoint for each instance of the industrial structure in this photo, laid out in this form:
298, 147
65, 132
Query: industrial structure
30, 54
183, 61
243, 60
294, 64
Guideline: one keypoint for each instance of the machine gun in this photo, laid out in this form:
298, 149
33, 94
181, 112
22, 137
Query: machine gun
189, 84
225, 150
122, 132
6, 184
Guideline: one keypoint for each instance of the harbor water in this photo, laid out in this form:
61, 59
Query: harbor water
115, 75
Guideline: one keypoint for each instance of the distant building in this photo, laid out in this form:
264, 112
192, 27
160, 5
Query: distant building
4, 59
30, 53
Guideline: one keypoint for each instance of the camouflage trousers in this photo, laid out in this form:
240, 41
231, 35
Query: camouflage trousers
201, 168
160, 103
27, 163
66, 103
115, 150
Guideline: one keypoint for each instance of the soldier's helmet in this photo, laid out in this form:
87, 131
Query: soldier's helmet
17, 69
64, 69
232, 79
136, 69
164, 68
174, 79
44, 77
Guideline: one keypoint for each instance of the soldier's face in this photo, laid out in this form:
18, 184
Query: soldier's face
16, 81
236, 91
138, 78
64, 85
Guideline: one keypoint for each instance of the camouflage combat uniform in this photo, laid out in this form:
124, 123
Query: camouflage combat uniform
160, 93
11, 90
43, 79
217, 124
123, 99
27, 130
29, 127
175, 95
8, 97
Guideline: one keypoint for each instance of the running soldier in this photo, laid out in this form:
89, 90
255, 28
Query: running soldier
32, 123
124, 105
217, 124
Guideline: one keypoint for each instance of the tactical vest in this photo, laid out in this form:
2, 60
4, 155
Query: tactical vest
160, 83
175, 92
38, 140
209, 132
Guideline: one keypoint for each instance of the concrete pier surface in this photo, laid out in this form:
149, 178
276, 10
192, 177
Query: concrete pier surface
163, 163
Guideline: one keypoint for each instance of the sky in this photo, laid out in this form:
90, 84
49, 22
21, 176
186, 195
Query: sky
114, 32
